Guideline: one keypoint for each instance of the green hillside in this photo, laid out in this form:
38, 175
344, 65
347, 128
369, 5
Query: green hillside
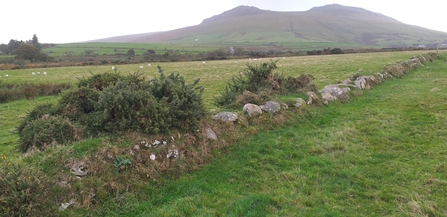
348, 27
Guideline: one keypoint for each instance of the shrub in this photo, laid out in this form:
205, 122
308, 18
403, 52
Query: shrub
21, 190
184, 100
101, 81
126, 106
252, 79
37, 113
302, 83
20, 63
47, 131
112, 103
262, 82
247, 97
78, 101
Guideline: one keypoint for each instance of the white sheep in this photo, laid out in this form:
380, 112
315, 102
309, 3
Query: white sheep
38, 73
6, 75
113, 67
203, 62
44, 73
33, 73
141, 67
149, 64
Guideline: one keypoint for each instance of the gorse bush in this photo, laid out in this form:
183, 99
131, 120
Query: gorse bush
184, 100
260, 82
113, 103
78, 101
47, 131
21, 190
101, 81
126, 106
37, 113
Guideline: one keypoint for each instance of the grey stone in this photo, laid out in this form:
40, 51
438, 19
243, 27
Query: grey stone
226, 116
271, 107
300, 102
210, 133
334, 92
252, 110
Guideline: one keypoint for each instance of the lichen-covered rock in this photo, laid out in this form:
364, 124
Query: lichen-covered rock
334, 92
364, 82
271, 107
226, 116
300, 102
252, 110
210, 133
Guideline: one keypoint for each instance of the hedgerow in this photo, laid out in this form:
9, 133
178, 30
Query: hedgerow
114, 103
47, 131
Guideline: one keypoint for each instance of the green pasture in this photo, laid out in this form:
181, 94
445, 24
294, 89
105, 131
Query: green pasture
381, 154
214, 75
103, 48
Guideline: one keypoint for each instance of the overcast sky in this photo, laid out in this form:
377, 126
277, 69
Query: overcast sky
56, 21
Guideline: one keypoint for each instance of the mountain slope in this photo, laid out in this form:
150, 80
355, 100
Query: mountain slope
331, 24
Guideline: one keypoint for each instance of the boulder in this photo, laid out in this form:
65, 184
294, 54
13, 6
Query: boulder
226, 116
271, 107
364, 82
252, 110
334, 92
300, 102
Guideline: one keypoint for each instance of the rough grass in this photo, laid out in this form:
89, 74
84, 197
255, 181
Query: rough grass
380, 154
11, 113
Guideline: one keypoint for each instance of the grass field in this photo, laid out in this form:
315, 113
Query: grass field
102, 48
326, 69
381, 154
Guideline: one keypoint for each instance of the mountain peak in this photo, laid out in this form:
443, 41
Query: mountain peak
239, 11
340, 10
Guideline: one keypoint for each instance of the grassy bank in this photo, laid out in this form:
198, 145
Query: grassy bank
383, 153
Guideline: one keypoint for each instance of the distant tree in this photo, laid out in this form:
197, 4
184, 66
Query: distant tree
150, 51
130, 53
4, 49
13, 45
35, 42
28, 52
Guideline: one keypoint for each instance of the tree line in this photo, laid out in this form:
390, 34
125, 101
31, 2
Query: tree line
29, 50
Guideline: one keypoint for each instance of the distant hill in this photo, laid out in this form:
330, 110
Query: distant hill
337, 24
